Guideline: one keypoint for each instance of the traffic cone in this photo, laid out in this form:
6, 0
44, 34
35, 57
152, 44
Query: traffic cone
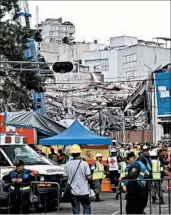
106, 186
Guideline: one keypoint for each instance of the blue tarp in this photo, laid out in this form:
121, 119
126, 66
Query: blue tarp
76, 134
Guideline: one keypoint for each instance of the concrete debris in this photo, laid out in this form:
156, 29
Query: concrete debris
99, 105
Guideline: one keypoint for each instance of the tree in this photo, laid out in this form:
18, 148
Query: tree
15, 86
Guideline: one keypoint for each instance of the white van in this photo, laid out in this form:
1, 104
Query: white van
44, 171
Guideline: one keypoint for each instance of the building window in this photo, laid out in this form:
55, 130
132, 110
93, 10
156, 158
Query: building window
129, 58
130, 74
103, 62
130, 62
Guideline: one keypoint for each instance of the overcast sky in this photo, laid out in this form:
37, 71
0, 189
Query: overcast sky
103, 19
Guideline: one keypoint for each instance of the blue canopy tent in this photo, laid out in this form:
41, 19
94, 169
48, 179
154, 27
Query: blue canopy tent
76, 134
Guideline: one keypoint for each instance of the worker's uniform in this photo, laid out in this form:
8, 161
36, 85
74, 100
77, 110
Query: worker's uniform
112, 162
156, 185
123, 173
135, 189
148, 175
123, 153
97, 176
123, 166
19, 192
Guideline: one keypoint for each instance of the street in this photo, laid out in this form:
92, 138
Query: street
111, 206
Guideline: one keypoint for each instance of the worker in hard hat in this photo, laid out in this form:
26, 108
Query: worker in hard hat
79, 174
113, 167
97, 170
156, 174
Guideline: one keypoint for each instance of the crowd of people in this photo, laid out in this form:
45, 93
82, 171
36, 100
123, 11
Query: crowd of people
128, 167
132, 161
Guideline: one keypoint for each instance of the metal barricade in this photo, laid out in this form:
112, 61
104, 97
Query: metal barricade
58, 194
152, 185
34, 184
4, 198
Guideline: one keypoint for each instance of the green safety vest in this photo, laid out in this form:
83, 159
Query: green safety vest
156, 169
123, 167
98, 172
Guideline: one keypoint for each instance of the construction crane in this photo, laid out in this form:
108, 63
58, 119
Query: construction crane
32, 51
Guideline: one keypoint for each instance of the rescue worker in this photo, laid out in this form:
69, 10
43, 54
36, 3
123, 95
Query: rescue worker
156, 174
135, 194
52, 155
78, 173
124, 165
97, 170
112, 163
19, 180
145, 159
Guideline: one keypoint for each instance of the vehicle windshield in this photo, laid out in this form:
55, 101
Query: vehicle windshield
24, 153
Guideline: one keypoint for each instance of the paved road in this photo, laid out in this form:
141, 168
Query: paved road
111, 206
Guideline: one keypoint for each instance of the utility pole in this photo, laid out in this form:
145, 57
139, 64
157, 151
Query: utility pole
123, 127
100, 122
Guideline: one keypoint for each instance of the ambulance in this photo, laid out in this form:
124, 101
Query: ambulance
14, 147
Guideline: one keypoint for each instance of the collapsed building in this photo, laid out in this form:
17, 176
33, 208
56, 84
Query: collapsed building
102, 106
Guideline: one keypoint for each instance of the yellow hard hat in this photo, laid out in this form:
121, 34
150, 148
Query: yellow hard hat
75, 149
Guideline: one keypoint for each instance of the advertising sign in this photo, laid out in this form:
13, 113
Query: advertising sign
163, 93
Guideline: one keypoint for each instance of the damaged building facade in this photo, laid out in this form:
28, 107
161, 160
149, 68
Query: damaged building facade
97, 104
120, 107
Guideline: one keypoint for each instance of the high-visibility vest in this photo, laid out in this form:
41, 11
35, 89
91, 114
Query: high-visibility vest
24, 187
98, 173
123, 167
156, 169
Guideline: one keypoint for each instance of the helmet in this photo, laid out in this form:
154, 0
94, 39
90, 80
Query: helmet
153, 154
98, 155
145, 148
75, 149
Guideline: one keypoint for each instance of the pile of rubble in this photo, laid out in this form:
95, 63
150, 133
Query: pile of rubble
102, 107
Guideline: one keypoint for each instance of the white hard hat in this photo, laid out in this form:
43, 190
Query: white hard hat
113, 150
145, 147
98, 155
153, 154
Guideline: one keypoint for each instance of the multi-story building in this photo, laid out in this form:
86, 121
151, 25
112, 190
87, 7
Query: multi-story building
55, 30
128, 58
139, 60
106, 60
72, 52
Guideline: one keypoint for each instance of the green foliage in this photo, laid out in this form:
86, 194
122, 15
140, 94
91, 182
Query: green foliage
13, 37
